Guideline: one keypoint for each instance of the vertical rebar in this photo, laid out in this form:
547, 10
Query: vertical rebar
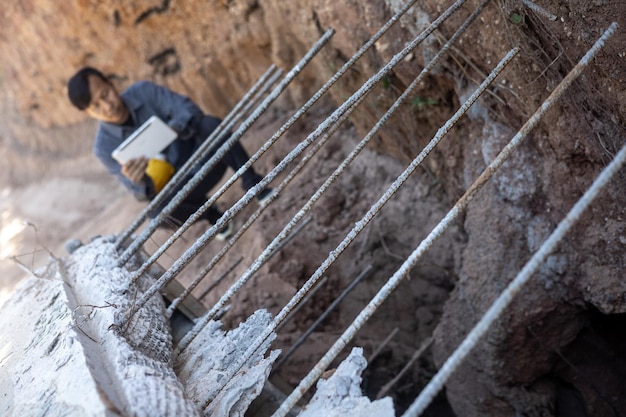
316, 372
184, 170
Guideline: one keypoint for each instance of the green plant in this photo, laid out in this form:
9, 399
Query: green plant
516, 18
421, 102
386, 82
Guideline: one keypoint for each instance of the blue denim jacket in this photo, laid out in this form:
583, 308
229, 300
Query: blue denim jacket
145, 99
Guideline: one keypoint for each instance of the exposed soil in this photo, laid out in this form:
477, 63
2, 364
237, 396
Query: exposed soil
575, 293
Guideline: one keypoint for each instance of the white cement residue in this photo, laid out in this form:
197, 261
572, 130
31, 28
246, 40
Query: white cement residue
341, 396
202, 369
133, 366
49, 348
42, 365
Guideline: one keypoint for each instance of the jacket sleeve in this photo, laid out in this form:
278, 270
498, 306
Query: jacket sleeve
177, 110
142, 191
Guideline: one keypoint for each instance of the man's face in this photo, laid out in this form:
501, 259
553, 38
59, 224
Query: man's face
105, 104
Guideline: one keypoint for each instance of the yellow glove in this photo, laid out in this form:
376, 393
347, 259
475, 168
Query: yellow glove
160, 171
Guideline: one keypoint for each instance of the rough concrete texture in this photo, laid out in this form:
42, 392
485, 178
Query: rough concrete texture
71, 357
340, 394
532, 362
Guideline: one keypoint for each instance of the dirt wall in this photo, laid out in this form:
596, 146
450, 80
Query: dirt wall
213, 51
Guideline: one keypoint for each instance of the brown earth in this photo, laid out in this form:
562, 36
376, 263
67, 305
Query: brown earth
555, 351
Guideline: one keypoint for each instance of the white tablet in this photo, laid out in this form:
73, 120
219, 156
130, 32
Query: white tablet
148, 140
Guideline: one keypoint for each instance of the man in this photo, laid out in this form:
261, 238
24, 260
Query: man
121, 114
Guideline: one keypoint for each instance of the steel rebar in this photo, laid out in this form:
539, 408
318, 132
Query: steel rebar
337, 114
312, 152
211, 232
323, 316
210, 266
219, 155
184, 170
214, 284
385, 388
315, 373
276, 192
382, 345
310, 295
359, 226
204, 151
286, 126
505, 298
536, 8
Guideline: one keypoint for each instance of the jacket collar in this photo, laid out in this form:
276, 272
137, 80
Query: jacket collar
133, 105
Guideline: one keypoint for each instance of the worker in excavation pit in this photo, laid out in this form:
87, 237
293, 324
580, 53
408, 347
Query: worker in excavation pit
121, 114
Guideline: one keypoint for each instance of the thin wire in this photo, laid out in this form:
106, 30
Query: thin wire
317, 371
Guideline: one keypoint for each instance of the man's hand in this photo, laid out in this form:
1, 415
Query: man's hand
135, 169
